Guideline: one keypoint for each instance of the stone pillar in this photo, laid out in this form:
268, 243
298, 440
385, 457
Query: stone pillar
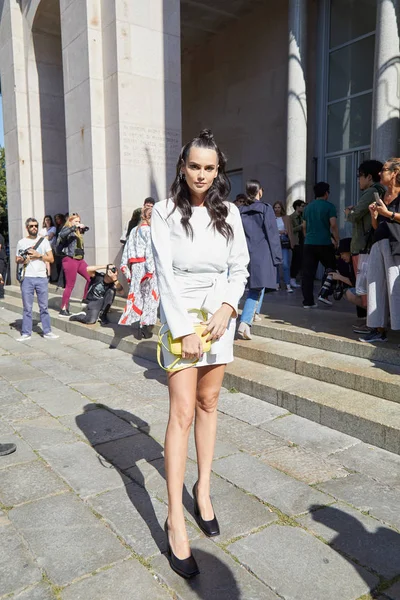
82, 48
16, 121
386, 103
296, 160
142, 82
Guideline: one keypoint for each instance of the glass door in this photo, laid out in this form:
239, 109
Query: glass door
341, 173
346, 98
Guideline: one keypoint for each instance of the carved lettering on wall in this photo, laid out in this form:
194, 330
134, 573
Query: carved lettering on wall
149, 146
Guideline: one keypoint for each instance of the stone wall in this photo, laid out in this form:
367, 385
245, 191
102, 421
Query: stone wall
236, 84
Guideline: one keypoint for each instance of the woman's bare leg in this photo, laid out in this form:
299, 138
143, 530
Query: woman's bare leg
182, 397
208, 389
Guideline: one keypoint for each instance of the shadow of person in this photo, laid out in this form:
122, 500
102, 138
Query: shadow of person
378, 550
124, 454
216, 580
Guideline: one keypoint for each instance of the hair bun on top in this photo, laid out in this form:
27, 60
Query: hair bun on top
206, 134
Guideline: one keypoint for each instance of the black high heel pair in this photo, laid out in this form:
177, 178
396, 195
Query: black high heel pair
187, 567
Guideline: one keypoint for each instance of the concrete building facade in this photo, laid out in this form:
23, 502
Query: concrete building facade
98, 95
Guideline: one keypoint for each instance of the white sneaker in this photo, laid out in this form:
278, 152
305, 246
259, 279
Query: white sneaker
24, 337
294, 284
244, 331
50, 336
325, 301
278, 287
257, 317
289, 289
307, 306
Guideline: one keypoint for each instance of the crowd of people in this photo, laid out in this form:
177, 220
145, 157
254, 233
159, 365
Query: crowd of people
281, 247
363, 268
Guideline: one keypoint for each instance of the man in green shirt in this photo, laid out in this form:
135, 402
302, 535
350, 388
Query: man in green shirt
321, 237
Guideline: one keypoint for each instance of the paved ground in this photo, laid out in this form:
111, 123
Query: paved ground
306, 513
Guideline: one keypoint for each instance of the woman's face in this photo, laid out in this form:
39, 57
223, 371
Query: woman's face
386, 174
75, 221
47, 222
277, 210
200, 170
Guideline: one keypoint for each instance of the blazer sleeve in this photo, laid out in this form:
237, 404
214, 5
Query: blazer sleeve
362, 208
273, 236
290, 231
175, 313
237, 262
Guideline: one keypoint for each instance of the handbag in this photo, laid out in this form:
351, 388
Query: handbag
21, 267
362, 271
285, 242
174, 346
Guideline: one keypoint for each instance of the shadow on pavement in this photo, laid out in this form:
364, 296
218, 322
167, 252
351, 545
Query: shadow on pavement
378, 550
217, 580
138, 448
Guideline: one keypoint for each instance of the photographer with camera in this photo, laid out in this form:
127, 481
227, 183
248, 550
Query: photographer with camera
70, 244
32, 254
342, 281
100, 296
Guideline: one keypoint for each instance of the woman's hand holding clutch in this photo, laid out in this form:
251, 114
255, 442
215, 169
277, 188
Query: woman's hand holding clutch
218, 323
192, 346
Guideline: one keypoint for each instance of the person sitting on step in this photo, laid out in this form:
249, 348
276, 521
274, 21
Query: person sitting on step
100, 296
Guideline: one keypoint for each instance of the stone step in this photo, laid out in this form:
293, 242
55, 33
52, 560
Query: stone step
367, 375
372, 419
369, 418
334, 335
360, 374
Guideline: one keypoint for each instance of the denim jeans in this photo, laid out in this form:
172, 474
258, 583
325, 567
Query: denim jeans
252, 305
28, 288
286, 267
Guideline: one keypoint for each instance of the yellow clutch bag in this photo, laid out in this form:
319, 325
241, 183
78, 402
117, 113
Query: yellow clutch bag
174, 346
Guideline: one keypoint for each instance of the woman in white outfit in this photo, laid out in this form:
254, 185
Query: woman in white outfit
201, 256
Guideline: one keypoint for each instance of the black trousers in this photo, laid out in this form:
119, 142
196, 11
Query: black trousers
95, 307
297, 260
313, 255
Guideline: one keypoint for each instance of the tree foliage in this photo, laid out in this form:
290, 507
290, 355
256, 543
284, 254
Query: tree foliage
3, 195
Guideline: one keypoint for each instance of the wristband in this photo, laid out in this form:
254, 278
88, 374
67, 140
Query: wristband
392, 217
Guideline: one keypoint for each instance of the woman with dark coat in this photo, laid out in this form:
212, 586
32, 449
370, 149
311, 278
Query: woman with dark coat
265, 251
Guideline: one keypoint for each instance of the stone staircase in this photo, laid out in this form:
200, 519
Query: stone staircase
308, 362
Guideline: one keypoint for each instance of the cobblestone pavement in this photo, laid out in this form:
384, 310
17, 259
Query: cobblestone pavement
306, 513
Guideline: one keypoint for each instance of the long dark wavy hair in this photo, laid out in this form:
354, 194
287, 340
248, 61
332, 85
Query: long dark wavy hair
218, 192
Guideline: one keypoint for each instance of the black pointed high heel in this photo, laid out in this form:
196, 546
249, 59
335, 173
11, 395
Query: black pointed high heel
186, 567
209, 528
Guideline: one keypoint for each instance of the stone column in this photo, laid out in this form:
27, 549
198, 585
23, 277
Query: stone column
296, 160
386, 103
82, 48
142, 82
16, 121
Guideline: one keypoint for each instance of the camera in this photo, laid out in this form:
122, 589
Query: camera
331, 287
84, 229
111, 268
24, 253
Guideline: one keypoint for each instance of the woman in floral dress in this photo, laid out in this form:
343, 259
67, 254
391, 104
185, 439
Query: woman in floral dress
137, 264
